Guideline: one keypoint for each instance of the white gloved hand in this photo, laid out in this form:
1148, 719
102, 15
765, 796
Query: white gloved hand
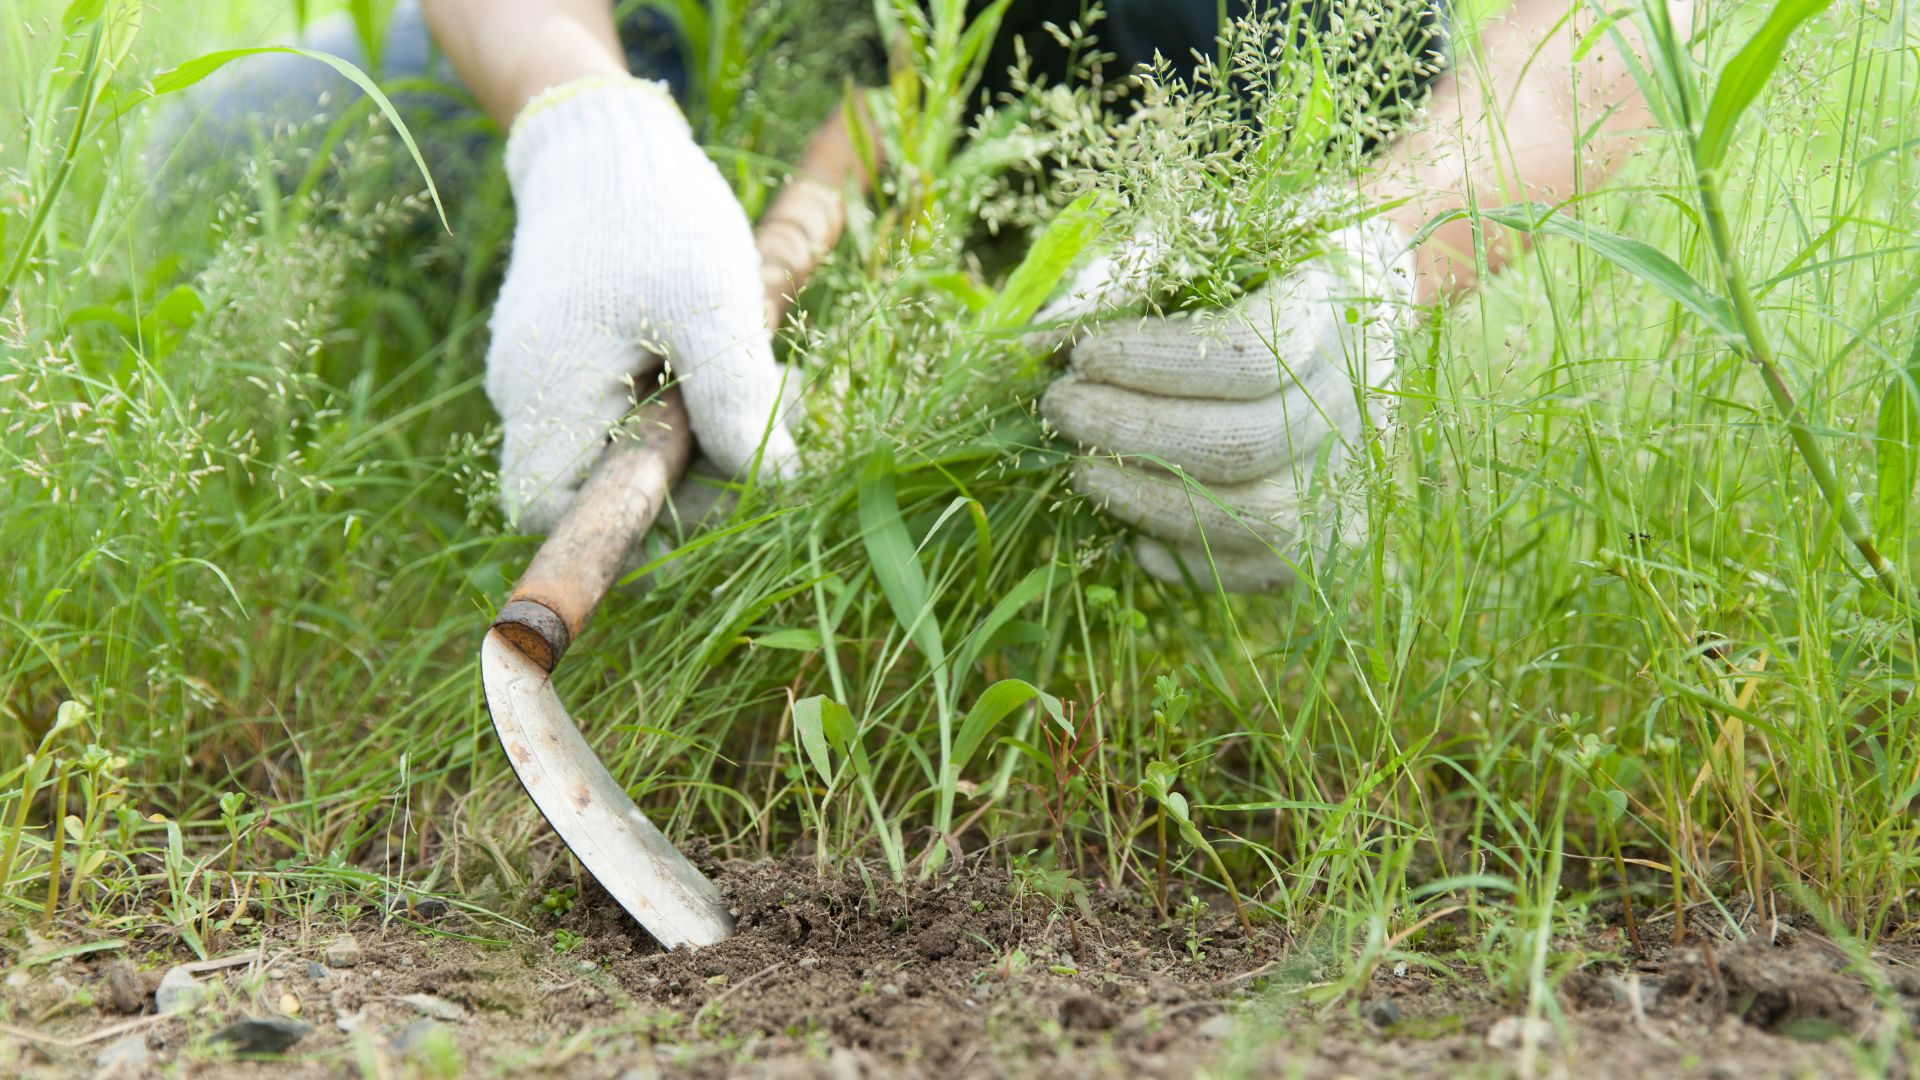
628, 246
1241, 399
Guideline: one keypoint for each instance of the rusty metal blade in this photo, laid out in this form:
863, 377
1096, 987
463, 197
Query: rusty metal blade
591, 812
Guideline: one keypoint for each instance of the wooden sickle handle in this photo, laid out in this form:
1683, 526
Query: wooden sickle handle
623, 495
582, 556
805, 219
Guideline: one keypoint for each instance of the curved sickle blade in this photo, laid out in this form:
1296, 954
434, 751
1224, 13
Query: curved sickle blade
592, 813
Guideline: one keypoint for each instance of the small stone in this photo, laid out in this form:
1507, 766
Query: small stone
1086, 1013
403, 960
343, 952
1380, 1012
438, 1008
1623, 992
125, 1056
18, 980
276, 973
809, 961
423, 909
1513, 1032
262, 1034
844, 1064
1216, 1028
1400, 970
179, 992
417, 1036
125, 994
316, 970
889, 990
350, 1022
586, 967
289, 1003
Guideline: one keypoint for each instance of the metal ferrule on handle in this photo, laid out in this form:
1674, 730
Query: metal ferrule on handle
583, 555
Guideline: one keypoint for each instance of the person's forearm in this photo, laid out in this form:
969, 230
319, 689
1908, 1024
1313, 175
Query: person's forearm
509, 50
1502, 129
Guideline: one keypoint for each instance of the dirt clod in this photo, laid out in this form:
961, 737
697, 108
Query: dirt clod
126, 993
938, 942
1086, 1013
1772, 988
1380, 1012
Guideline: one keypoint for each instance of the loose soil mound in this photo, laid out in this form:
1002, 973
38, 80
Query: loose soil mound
968, 975
941, 976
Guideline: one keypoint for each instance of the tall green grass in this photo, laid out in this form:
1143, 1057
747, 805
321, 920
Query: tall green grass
1603, 638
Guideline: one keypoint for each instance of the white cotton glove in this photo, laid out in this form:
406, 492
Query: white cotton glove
1241, 399
628, 246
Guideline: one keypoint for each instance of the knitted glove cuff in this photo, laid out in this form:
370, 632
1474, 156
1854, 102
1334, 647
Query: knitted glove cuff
591, 112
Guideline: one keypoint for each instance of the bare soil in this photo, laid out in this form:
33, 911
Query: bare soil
841, 975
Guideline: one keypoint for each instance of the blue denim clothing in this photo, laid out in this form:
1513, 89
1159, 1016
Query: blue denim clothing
253, 97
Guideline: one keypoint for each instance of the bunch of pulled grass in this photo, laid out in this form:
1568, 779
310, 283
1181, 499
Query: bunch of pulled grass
1229, 173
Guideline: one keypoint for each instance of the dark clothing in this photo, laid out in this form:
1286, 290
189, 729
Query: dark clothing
1181, 31
1133, 31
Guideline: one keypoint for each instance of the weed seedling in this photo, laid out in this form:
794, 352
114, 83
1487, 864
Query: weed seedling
1192, 913
557, 902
